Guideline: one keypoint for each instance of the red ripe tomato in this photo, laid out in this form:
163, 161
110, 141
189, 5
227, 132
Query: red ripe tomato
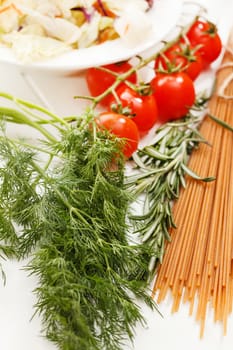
142, 108
99, 80
205, 34
174, 93
183, 56
123, 127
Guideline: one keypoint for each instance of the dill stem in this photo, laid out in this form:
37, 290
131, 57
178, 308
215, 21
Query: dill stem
20, 118
36, 148
30, 105
79, 213
49, 161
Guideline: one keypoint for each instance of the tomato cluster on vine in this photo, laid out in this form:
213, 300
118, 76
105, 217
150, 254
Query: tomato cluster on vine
132, 108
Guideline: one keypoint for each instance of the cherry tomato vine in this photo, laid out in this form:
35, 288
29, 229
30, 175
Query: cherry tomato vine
169, 94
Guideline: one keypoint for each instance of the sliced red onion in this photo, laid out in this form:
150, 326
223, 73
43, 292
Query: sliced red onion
101, 5
150, 3
84, 11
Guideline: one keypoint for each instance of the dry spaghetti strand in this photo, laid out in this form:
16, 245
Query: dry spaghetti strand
198, 263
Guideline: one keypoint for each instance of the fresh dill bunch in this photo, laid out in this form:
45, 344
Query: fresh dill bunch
17, 192
69, 216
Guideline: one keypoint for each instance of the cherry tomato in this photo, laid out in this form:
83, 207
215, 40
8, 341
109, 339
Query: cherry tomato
174, 93
141, 108
183, 56
99, 80
123, 127
205, 34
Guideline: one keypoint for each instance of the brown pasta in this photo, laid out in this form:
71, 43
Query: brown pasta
198, 263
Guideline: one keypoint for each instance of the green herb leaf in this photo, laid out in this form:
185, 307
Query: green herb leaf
69, 216
160, 173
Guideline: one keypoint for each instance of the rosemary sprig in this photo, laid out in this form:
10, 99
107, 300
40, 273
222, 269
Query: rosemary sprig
160, 173
69, 216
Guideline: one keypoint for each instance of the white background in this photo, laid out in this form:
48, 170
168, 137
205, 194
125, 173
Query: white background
173, 331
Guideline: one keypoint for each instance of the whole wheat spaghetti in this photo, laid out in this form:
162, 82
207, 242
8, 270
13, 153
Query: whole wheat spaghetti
198, 263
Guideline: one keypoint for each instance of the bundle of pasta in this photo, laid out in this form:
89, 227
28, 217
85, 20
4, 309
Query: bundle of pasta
198, 263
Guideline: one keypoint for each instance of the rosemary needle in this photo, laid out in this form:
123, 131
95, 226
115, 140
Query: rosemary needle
160, 172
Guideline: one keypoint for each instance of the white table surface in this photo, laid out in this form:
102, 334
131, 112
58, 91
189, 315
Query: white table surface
173, 331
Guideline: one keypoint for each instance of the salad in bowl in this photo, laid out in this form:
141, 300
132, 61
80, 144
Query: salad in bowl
37, 30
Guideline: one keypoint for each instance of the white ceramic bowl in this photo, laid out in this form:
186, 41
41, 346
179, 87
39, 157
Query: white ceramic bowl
164, 15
